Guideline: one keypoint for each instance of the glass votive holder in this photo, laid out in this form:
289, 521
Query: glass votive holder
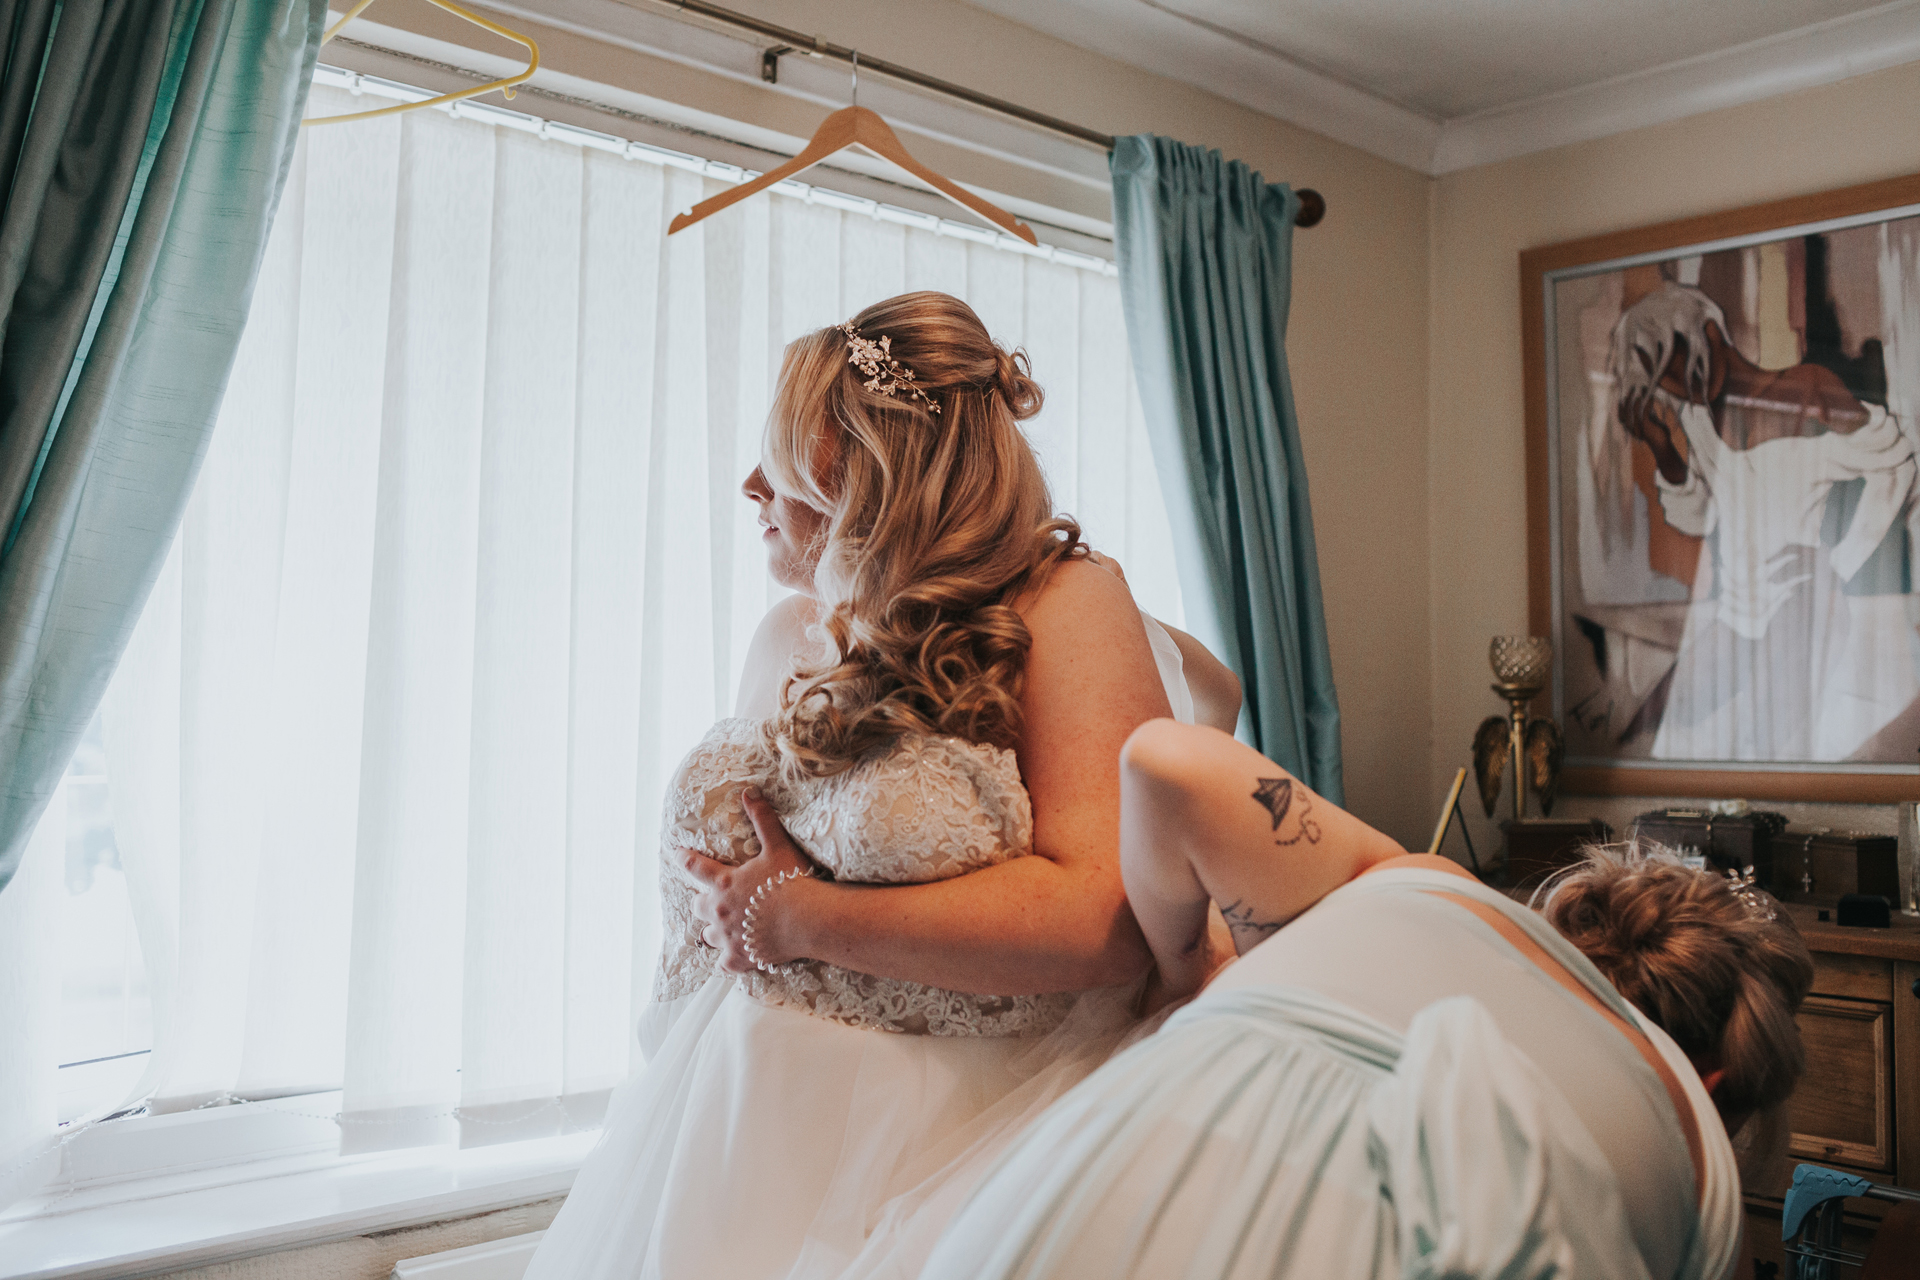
1521, 660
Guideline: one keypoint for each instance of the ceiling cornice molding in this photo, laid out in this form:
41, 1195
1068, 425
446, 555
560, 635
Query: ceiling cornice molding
1154, 39
1794, 60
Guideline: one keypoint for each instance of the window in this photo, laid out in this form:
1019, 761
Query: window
465, 572
106, 1015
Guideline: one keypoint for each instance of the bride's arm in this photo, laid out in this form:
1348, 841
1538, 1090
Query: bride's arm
1057, 921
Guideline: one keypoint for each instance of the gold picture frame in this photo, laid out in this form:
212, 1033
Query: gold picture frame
1571, 359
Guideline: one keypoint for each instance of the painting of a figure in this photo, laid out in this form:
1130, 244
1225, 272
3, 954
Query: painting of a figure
1736, 435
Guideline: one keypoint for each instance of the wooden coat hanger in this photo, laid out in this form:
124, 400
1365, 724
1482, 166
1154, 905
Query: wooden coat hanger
504, 85
850, 126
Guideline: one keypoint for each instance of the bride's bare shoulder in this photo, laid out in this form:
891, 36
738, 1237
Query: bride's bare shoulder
780, 637
1080, 597
1083, 618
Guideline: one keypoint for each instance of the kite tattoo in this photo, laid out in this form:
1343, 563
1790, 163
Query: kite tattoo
1276, 795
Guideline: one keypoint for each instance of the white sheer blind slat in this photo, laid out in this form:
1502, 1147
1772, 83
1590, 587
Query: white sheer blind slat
517, 869
409, 911
621, 225
467, 571
302, 927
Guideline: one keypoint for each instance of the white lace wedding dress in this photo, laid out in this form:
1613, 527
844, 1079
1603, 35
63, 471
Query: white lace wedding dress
818, 1122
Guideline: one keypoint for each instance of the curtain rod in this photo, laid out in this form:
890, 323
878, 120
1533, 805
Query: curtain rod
1313, 206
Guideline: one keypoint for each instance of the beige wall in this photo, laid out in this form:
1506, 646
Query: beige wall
1854, 131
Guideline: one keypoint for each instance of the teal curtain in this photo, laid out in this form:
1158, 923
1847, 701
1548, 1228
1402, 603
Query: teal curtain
143, 146
1205, 250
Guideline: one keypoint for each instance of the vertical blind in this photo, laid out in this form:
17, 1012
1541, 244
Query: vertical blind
467, 570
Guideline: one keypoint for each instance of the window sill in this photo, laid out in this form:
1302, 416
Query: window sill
299, 1192
495, 1260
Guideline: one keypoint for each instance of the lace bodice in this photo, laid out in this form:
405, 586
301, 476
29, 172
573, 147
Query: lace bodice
926, 808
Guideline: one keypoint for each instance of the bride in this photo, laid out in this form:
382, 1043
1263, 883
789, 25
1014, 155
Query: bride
850, 1022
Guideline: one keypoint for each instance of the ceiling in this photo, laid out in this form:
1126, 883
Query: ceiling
1460, 57
1443, 84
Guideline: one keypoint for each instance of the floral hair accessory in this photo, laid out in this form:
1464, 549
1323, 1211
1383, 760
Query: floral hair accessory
885, 375
1755, 899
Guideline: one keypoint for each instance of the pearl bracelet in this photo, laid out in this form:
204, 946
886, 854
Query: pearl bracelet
764, 891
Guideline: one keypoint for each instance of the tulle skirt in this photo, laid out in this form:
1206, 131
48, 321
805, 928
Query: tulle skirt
761, 1142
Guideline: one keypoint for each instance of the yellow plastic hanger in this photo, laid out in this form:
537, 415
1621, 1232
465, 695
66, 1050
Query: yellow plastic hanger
845, 128
506, 85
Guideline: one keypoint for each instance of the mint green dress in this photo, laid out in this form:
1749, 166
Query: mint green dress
1273, 1130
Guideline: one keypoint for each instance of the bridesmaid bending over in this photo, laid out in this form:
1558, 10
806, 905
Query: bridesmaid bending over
1403, 1072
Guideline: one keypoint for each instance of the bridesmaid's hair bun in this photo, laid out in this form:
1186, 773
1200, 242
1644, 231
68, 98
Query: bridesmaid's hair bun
1721, 969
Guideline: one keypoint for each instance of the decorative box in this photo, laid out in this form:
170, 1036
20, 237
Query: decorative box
1538, 847
1729, 842
1820, 867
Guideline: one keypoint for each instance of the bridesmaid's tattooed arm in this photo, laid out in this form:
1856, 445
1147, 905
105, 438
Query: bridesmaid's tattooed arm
1187, 835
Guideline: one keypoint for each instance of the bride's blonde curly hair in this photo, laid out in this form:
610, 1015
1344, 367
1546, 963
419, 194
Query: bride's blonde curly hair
935, 522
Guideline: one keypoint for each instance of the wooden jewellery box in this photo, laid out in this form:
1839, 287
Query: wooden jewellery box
1820, 867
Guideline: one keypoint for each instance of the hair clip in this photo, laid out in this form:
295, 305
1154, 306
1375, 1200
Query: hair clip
885, 375
1757, 901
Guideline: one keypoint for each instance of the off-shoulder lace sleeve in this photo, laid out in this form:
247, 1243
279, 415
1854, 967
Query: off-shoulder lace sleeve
927, 808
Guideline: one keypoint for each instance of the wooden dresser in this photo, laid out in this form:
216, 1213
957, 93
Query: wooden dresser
1858, 1107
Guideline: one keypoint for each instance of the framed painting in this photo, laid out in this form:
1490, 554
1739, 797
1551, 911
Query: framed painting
1723, 499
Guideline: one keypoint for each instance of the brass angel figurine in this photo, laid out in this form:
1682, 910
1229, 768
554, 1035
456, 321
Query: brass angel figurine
1541, 751
1521, 665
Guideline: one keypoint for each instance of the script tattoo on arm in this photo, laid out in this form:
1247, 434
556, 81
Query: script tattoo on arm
1276, 796
1241, 922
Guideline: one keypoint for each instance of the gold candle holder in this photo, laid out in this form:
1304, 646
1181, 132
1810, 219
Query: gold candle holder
1521, 666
